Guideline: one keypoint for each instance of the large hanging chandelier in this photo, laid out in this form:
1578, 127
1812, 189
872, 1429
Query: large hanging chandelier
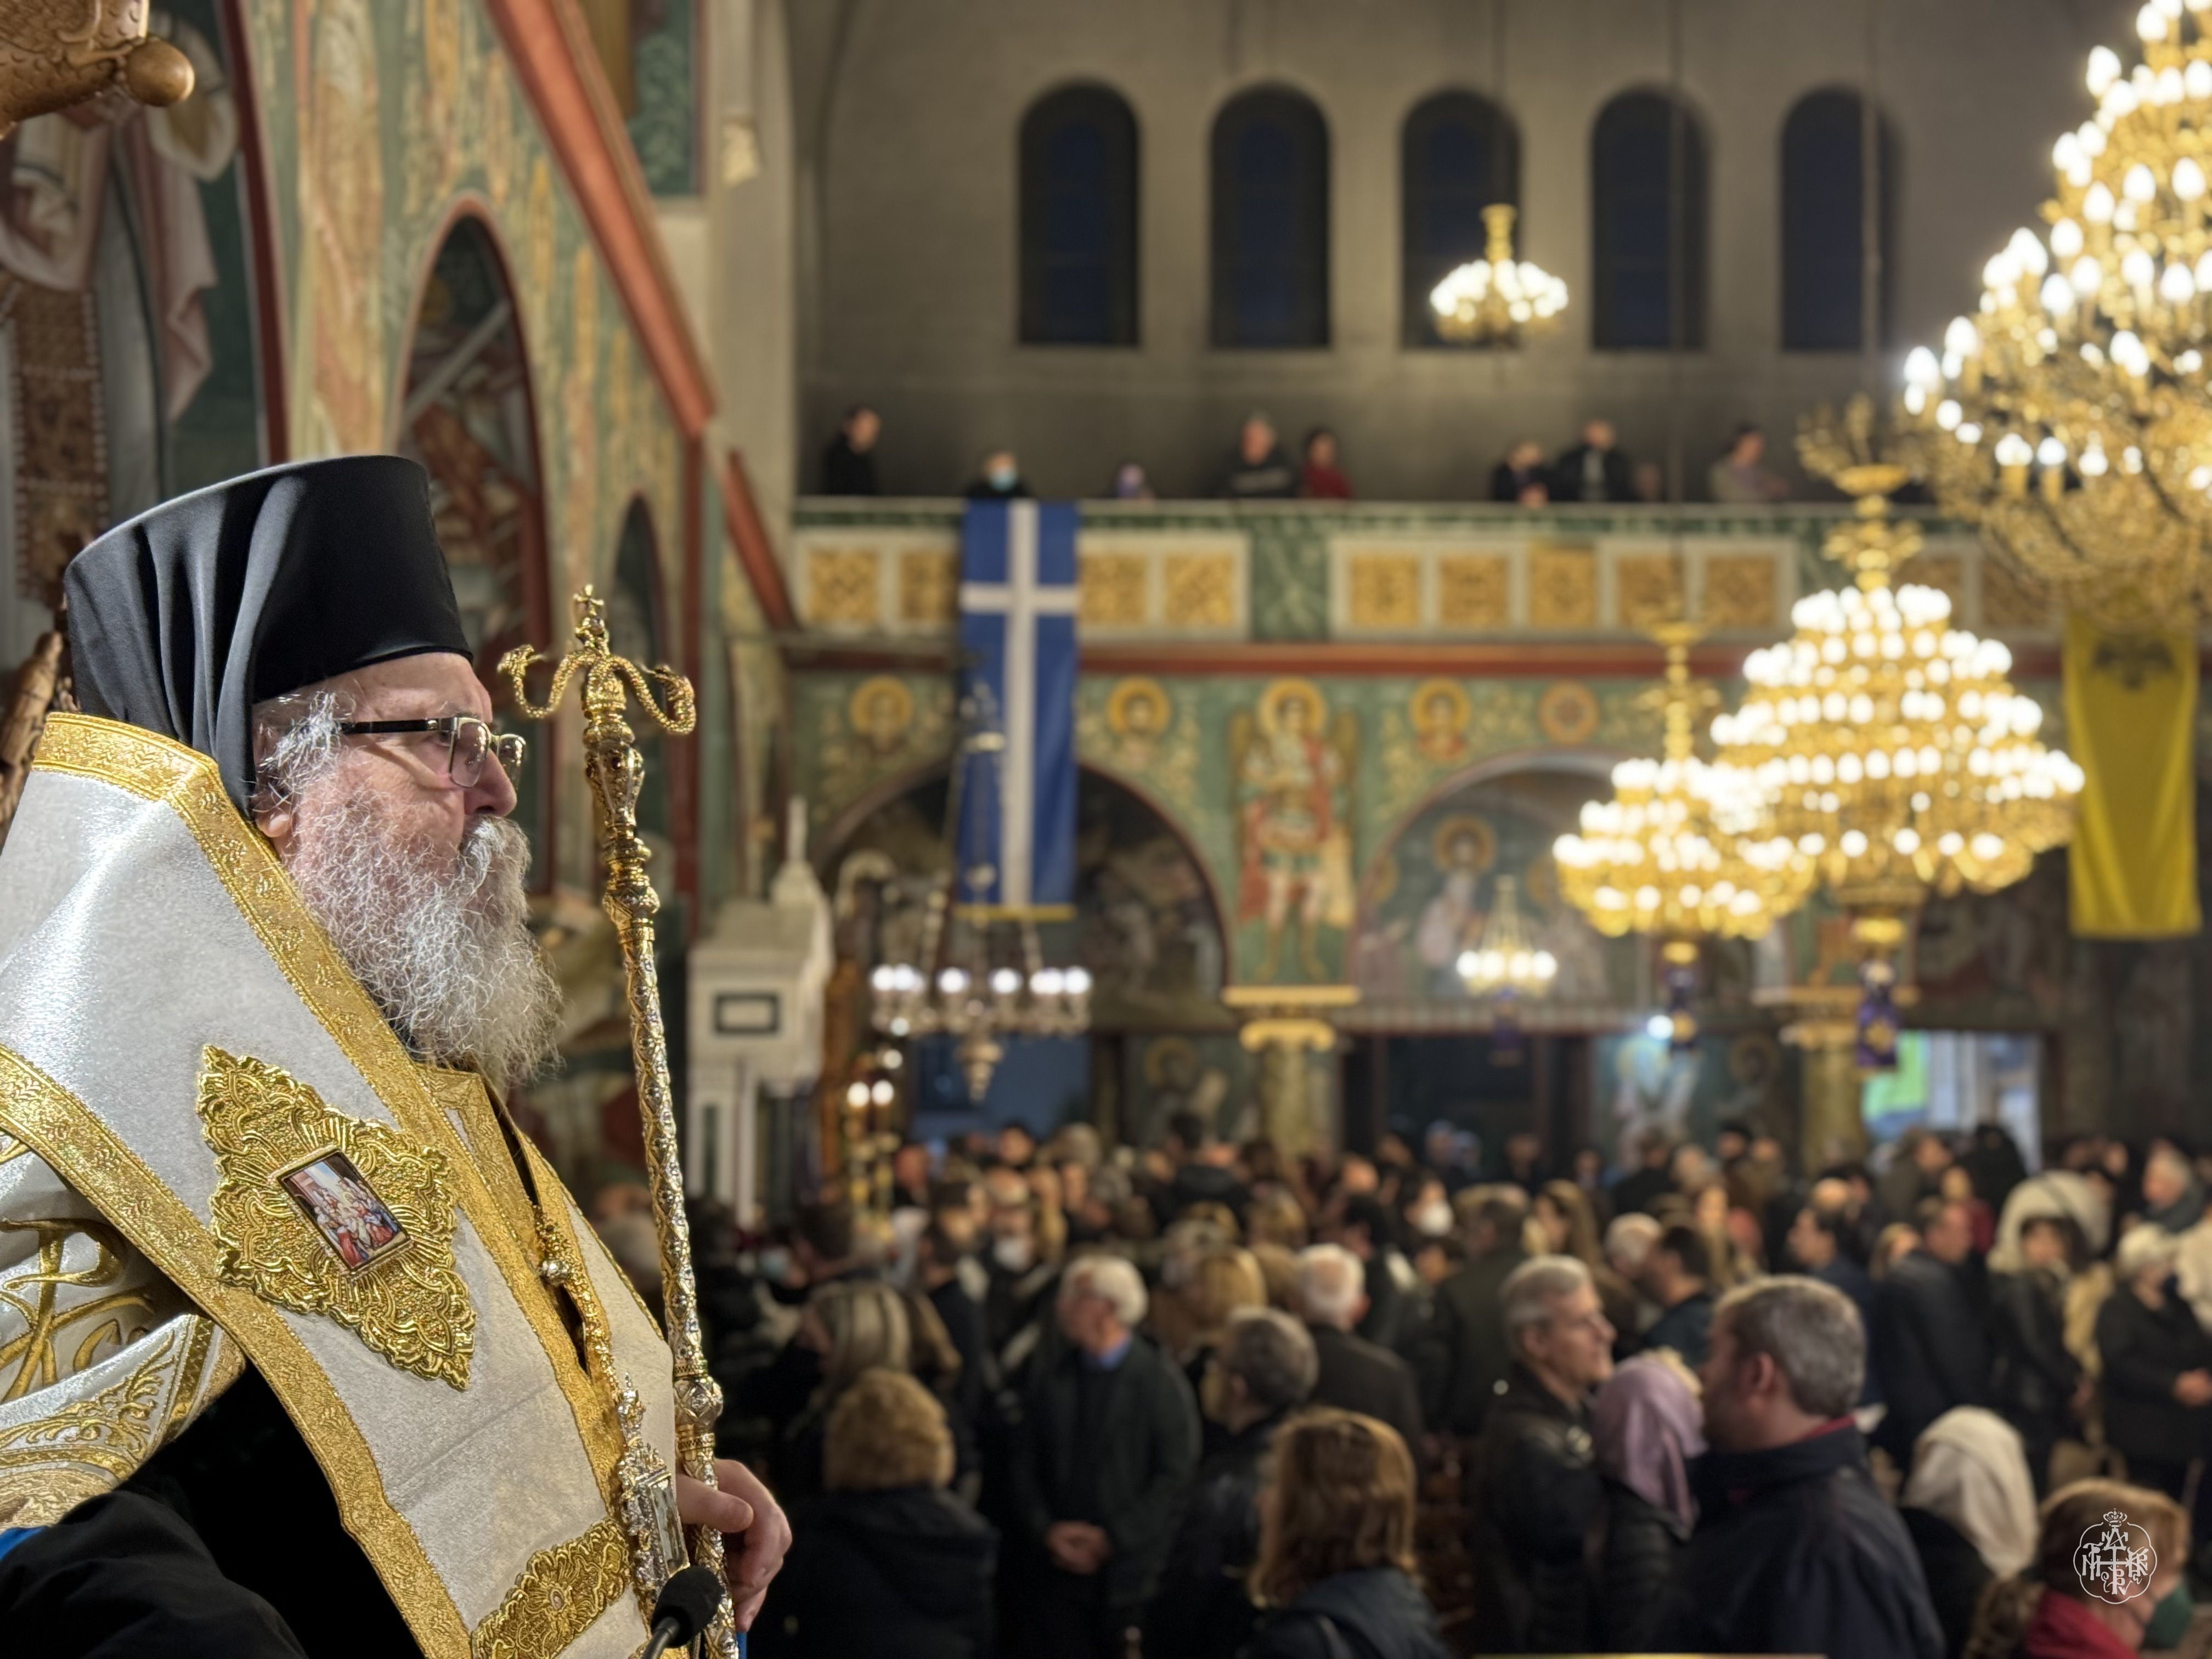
1893, 749
1494, 301
2070, 416
980, 975
1682, 851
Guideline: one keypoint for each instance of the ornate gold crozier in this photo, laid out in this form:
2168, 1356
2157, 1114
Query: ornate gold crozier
614, 769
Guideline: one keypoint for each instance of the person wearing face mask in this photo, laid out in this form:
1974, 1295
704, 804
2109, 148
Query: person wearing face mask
999, 479
2047, 1610
1019, 1269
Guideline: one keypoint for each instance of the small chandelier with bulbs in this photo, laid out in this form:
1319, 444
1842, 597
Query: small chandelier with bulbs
980, 976
1494, 301
1504, 960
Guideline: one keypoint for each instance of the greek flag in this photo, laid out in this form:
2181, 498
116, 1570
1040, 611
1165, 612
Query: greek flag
1018, 680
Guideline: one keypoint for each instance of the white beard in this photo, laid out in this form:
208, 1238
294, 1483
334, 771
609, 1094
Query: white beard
440, 944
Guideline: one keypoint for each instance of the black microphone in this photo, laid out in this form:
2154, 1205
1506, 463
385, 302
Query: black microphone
686, 1605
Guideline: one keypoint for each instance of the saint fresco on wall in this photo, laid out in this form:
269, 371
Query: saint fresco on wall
1427, 895
1293, 767
1149, 932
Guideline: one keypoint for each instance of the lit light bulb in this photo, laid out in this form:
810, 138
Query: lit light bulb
2176, 285
2066, 235
1962, 338
2104, 71
2087, 276
2058, 294
2188, 176
2050, 452
2097, 204
1921, 369
2139, 185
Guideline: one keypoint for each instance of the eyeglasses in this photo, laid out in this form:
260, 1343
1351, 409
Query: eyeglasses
469, 741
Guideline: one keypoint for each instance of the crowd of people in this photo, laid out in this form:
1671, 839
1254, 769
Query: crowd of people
1259, 466
1204, 1399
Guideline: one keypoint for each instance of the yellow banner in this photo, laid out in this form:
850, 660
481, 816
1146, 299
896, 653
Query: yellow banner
2132, 723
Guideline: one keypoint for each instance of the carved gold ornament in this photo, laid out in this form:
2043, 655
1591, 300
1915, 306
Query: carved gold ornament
54, 53
322, 1213
559, 1597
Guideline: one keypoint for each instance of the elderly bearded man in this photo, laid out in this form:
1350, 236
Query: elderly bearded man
264, 979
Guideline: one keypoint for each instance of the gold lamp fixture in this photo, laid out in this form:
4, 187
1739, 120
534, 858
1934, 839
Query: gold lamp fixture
1891, 749
2070, 418
1505, 961
1494, 301
1682, 851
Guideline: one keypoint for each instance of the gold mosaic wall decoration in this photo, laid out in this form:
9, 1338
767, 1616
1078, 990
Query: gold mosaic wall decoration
1562, 586
1199, 590
1473, 590
841, 587
928, 587
1383, 590
1112, 591
1739, 591
1648, 589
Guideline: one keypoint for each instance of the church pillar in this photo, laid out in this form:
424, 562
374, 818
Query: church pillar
1288, 1030
1825, 1031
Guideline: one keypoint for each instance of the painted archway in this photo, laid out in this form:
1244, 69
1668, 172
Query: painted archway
469, 416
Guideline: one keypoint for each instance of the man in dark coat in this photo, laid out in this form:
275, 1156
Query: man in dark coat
1201, 1174
1928, 1334
848, 464
1355, 1375
1108, 1445
2034, 1378
1463, 1357
1595, 470
1678, 1276
1816, 1242
1795, 1550
1262, 1372
1259, 468
1533, 1486
1641, 1186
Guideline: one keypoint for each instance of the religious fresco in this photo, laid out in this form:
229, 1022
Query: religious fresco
126, 320
1425, 897
1147, 927
1637, 1084
1210, 1075
1292, 766
384, 121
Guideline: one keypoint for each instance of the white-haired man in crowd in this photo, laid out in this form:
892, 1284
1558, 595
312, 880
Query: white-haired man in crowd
1355, 1374
1108, 1444
1629, 1241
1533, 1486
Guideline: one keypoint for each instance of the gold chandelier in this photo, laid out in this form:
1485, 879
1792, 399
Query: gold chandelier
1505, 961
1680, 851
1893, 749
2069, 418
1493, 300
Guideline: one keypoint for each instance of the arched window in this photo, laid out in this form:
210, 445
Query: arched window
1647, 226
1824, 222
1457, 154
1270, 220
468, 417
1079, 235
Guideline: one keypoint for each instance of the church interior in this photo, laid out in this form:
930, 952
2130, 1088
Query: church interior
1534, 578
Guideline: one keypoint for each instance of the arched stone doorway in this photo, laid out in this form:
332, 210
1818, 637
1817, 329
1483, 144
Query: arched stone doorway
469, 416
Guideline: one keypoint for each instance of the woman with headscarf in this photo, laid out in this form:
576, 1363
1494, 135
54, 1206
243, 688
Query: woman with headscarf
1645, 1426
1970, 1507
2048, 1610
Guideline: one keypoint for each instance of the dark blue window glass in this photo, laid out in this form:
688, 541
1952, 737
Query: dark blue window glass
1823, 222
1647, 226
1270, 221
1078, 235
1457, 156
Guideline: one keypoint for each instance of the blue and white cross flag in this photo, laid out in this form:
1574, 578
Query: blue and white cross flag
1018, 594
